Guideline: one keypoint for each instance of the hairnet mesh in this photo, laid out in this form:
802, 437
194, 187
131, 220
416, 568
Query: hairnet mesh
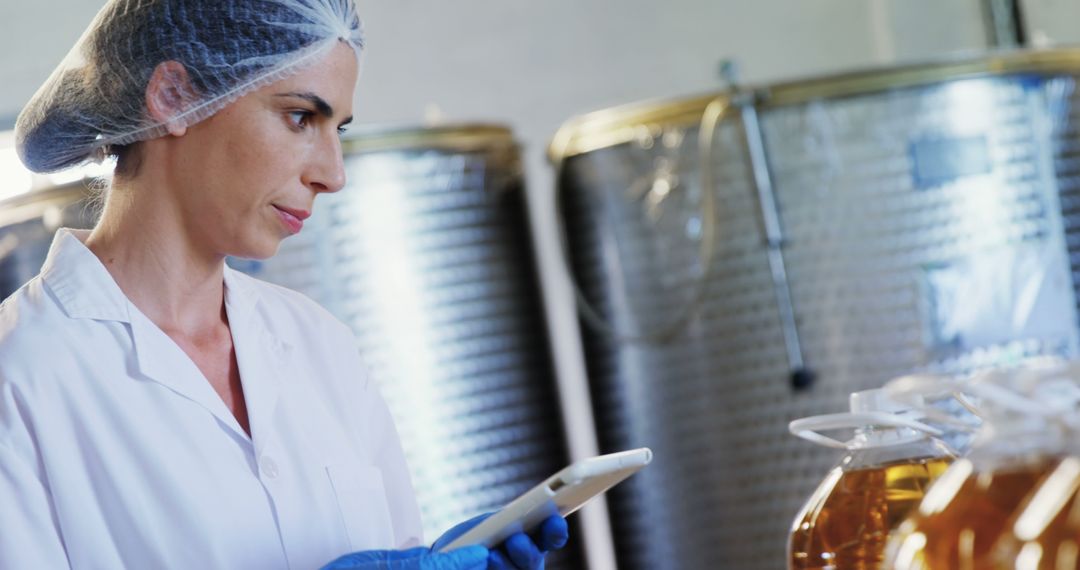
96, 97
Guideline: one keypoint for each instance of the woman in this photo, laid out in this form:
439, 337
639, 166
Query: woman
158, 409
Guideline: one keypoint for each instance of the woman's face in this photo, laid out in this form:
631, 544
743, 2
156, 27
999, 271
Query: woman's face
250, 173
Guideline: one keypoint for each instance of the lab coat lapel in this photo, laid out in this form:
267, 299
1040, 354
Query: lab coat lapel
161, 360
86, 290
263, 357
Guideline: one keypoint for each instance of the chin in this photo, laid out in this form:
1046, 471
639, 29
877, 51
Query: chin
263, 250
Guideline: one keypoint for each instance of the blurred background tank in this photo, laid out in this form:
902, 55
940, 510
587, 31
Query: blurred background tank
427, 255
849, 229
27, 224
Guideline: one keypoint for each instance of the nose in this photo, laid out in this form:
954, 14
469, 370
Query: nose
326, 167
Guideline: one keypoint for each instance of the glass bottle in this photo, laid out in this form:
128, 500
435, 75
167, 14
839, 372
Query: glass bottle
967, 517
884, 472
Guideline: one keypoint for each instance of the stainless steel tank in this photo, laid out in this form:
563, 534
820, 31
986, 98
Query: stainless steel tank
427, 255
751, 257
27, 225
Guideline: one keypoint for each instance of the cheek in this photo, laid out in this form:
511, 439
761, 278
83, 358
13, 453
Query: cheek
262, 160
243, 161
246, 180
246, 152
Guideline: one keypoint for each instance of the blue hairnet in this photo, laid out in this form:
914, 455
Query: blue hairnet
96, 98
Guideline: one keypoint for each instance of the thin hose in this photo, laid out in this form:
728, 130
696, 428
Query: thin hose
710, 118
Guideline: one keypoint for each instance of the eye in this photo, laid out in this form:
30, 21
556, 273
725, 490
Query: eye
300, 118
342, 130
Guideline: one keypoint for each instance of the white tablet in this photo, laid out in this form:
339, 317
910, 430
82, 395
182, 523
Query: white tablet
562, 493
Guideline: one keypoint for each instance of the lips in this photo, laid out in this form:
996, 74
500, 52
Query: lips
292, 218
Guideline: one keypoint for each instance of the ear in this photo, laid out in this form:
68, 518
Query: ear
168, 94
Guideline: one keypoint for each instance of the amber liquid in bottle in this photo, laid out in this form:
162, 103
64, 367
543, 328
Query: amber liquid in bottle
1045, 533
960, 521
847, 521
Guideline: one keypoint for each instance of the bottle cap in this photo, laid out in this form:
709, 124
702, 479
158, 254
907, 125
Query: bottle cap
878, 400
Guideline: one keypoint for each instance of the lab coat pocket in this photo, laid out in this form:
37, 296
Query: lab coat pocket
361, 497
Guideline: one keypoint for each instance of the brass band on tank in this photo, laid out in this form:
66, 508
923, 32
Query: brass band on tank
627, 123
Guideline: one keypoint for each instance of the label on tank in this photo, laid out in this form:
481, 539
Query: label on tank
940, 160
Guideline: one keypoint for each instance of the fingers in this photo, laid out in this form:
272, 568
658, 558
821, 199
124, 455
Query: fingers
520, 552
553, 534
377, 559
468, 558
523, 552
497, 561
458, 530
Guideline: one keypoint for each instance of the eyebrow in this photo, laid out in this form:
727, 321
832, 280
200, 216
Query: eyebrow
321, 106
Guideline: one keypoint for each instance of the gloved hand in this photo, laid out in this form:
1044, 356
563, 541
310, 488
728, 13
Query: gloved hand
468, 558
519, 551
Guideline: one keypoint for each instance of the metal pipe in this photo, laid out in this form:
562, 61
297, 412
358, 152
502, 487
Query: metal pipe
1005, 23
801, 376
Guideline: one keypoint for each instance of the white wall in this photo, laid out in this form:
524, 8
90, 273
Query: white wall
34, 37
1051, 22
535, 63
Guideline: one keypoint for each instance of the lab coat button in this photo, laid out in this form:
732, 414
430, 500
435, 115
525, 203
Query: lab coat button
269, 467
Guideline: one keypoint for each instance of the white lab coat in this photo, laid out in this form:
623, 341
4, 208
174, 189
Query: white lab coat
115, 452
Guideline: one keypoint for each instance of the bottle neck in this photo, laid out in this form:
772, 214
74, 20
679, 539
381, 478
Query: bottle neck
876, 436
875, 447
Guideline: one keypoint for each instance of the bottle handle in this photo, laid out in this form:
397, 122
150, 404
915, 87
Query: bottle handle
918, 386
810, 428
913, 388
1011, 400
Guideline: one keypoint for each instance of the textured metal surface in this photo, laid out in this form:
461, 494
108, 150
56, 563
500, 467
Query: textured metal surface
1064, 104
427, 255
893, 204
676, 397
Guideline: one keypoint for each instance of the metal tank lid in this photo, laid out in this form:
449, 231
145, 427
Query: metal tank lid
462, 137
627, 123
36, 203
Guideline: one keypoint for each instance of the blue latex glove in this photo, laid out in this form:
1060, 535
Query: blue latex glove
469, 558
519, 551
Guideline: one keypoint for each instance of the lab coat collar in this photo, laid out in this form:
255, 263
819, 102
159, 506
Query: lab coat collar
85, 289
241, 295
262, 356
82, 285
